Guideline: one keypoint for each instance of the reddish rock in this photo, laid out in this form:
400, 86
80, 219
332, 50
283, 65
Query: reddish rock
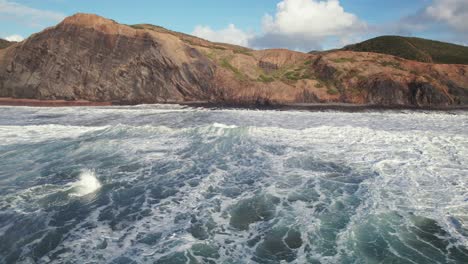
87, 57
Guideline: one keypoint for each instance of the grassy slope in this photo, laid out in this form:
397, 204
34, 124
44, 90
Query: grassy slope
192, 39
5, 43
414, 49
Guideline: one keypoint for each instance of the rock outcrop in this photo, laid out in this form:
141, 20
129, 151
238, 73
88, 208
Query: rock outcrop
87, 57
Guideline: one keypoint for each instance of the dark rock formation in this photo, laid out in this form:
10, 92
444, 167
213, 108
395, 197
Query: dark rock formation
425, 94
267, 66
385, 91
460, 95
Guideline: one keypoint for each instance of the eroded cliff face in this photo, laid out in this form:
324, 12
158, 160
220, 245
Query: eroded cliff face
92, 58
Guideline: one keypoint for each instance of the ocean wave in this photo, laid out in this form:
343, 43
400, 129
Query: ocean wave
225, 191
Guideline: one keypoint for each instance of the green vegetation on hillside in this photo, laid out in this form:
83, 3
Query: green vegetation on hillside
395, 65
332, 91
343, 60
417, 49
5, 43
227, 65
265, 78
287, 73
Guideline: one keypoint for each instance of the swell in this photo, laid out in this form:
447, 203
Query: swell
171, 193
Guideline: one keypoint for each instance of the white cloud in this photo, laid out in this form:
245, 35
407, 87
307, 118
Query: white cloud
445, 19
297, 24
30, 16
16, 38
308, 24
312, 18
231, 35
452, 12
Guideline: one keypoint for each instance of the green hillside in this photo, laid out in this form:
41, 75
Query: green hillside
5, 43
417, 49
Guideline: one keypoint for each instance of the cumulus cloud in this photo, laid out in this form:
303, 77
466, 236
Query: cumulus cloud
297, 24
12, 11
16, 38
316, 24
311, 17
447, 19
231, 35
452, 12
307, 24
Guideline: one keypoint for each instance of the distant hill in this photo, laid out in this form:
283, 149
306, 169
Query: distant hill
5, 43
417, 49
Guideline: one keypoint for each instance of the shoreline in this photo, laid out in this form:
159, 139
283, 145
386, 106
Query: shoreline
8, 101
345, 107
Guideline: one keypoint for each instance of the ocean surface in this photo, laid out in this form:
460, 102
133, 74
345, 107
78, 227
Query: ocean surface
174, 184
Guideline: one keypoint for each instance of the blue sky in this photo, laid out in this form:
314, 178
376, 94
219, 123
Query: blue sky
294, 24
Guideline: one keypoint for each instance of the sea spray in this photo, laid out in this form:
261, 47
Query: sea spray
87, 184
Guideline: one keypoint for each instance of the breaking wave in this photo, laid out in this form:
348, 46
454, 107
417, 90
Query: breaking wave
87, 184
189, 185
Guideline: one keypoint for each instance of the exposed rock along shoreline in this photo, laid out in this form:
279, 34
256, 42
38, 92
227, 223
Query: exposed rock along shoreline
89, 60
49, 103
213, 105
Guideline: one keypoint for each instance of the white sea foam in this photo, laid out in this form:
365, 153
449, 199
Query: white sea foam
218, 125
87, 184
168, 172
38, 133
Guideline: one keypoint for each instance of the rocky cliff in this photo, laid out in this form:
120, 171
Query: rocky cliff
87, 57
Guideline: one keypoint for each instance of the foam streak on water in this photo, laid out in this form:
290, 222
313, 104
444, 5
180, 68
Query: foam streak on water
171, 184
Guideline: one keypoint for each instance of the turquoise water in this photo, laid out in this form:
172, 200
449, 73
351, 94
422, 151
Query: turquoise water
172, 184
